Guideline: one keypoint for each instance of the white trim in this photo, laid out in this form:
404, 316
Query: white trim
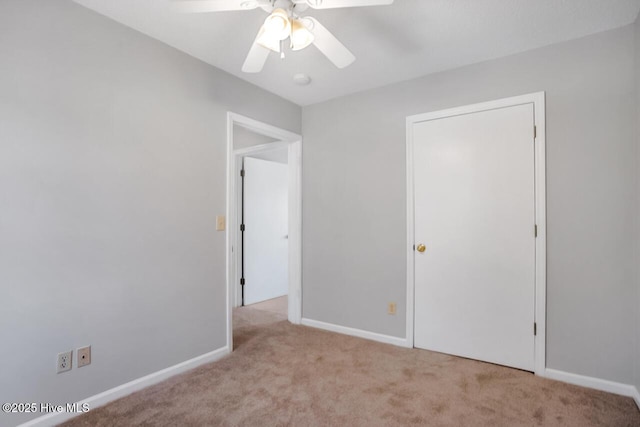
234, 157
373, 336
594, 383
261, 149
636, 396
410, 323
262, 128
295, 232
538, 100
541, 222
110, 395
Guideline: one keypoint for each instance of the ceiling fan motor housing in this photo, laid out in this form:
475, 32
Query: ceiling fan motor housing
271, 5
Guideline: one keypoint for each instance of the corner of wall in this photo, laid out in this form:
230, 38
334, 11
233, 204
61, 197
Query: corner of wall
637, 215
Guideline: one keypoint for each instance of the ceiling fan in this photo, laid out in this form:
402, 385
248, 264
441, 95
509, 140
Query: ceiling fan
285, 22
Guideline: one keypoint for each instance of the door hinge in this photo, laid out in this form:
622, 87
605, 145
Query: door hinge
535, 132
241, 227
535, 230
241, 172
535, 328
242, 281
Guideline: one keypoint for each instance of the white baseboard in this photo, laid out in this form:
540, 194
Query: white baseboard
636, 396
128, 388
156, 377
387, 339
595, 383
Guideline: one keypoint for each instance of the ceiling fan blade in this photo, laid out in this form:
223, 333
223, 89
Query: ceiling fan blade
333, 4
328, 44
200, 6
256, 58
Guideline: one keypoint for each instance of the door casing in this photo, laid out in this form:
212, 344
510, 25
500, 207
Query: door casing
234, 164
538, 101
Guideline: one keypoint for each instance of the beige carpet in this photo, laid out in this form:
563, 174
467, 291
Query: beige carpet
285, 375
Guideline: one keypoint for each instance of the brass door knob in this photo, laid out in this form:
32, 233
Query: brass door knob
421, 247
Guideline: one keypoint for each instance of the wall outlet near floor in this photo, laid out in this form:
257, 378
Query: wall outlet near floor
392, 308
64, 361
84, 356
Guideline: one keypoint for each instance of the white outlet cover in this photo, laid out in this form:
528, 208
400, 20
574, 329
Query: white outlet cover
65, 361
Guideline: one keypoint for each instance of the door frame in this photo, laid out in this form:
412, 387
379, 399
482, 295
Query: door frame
540, 304
234, 164
239, 156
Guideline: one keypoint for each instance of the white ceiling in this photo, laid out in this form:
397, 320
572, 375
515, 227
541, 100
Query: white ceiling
408, 39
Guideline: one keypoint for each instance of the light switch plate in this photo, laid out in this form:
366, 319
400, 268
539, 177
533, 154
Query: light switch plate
392, 308
220, 223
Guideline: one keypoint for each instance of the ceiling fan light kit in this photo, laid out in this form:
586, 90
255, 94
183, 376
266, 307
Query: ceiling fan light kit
301, 37
267, 40
284, 22
278, 24
277, 27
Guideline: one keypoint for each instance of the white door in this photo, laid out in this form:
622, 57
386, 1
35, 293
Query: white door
474, 212
266, 193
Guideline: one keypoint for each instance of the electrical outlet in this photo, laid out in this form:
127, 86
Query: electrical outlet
392, 308
84, 356
64, 361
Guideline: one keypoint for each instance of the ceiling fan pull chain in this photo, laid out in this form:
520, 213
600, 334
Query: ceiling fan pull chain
281, 49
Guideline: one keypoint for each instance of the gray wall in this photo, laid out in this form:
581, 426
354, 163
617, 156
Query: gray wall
244, 138
112, 170
637, 76
354, 211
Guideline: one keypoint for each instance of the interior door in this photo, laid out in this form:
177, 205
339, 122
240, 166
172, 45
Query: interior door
475, 216
265, 246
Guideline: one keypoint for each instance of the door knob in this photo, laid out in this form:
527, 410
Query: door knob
421, 247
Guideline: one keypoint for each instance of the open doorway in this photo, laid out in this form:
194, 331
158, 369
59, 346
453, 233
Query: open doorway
264, 219
264, 228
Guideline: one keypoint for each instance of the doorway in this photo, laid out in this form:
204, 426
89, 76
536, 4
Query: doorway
264, 223
274, 155
476, 230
